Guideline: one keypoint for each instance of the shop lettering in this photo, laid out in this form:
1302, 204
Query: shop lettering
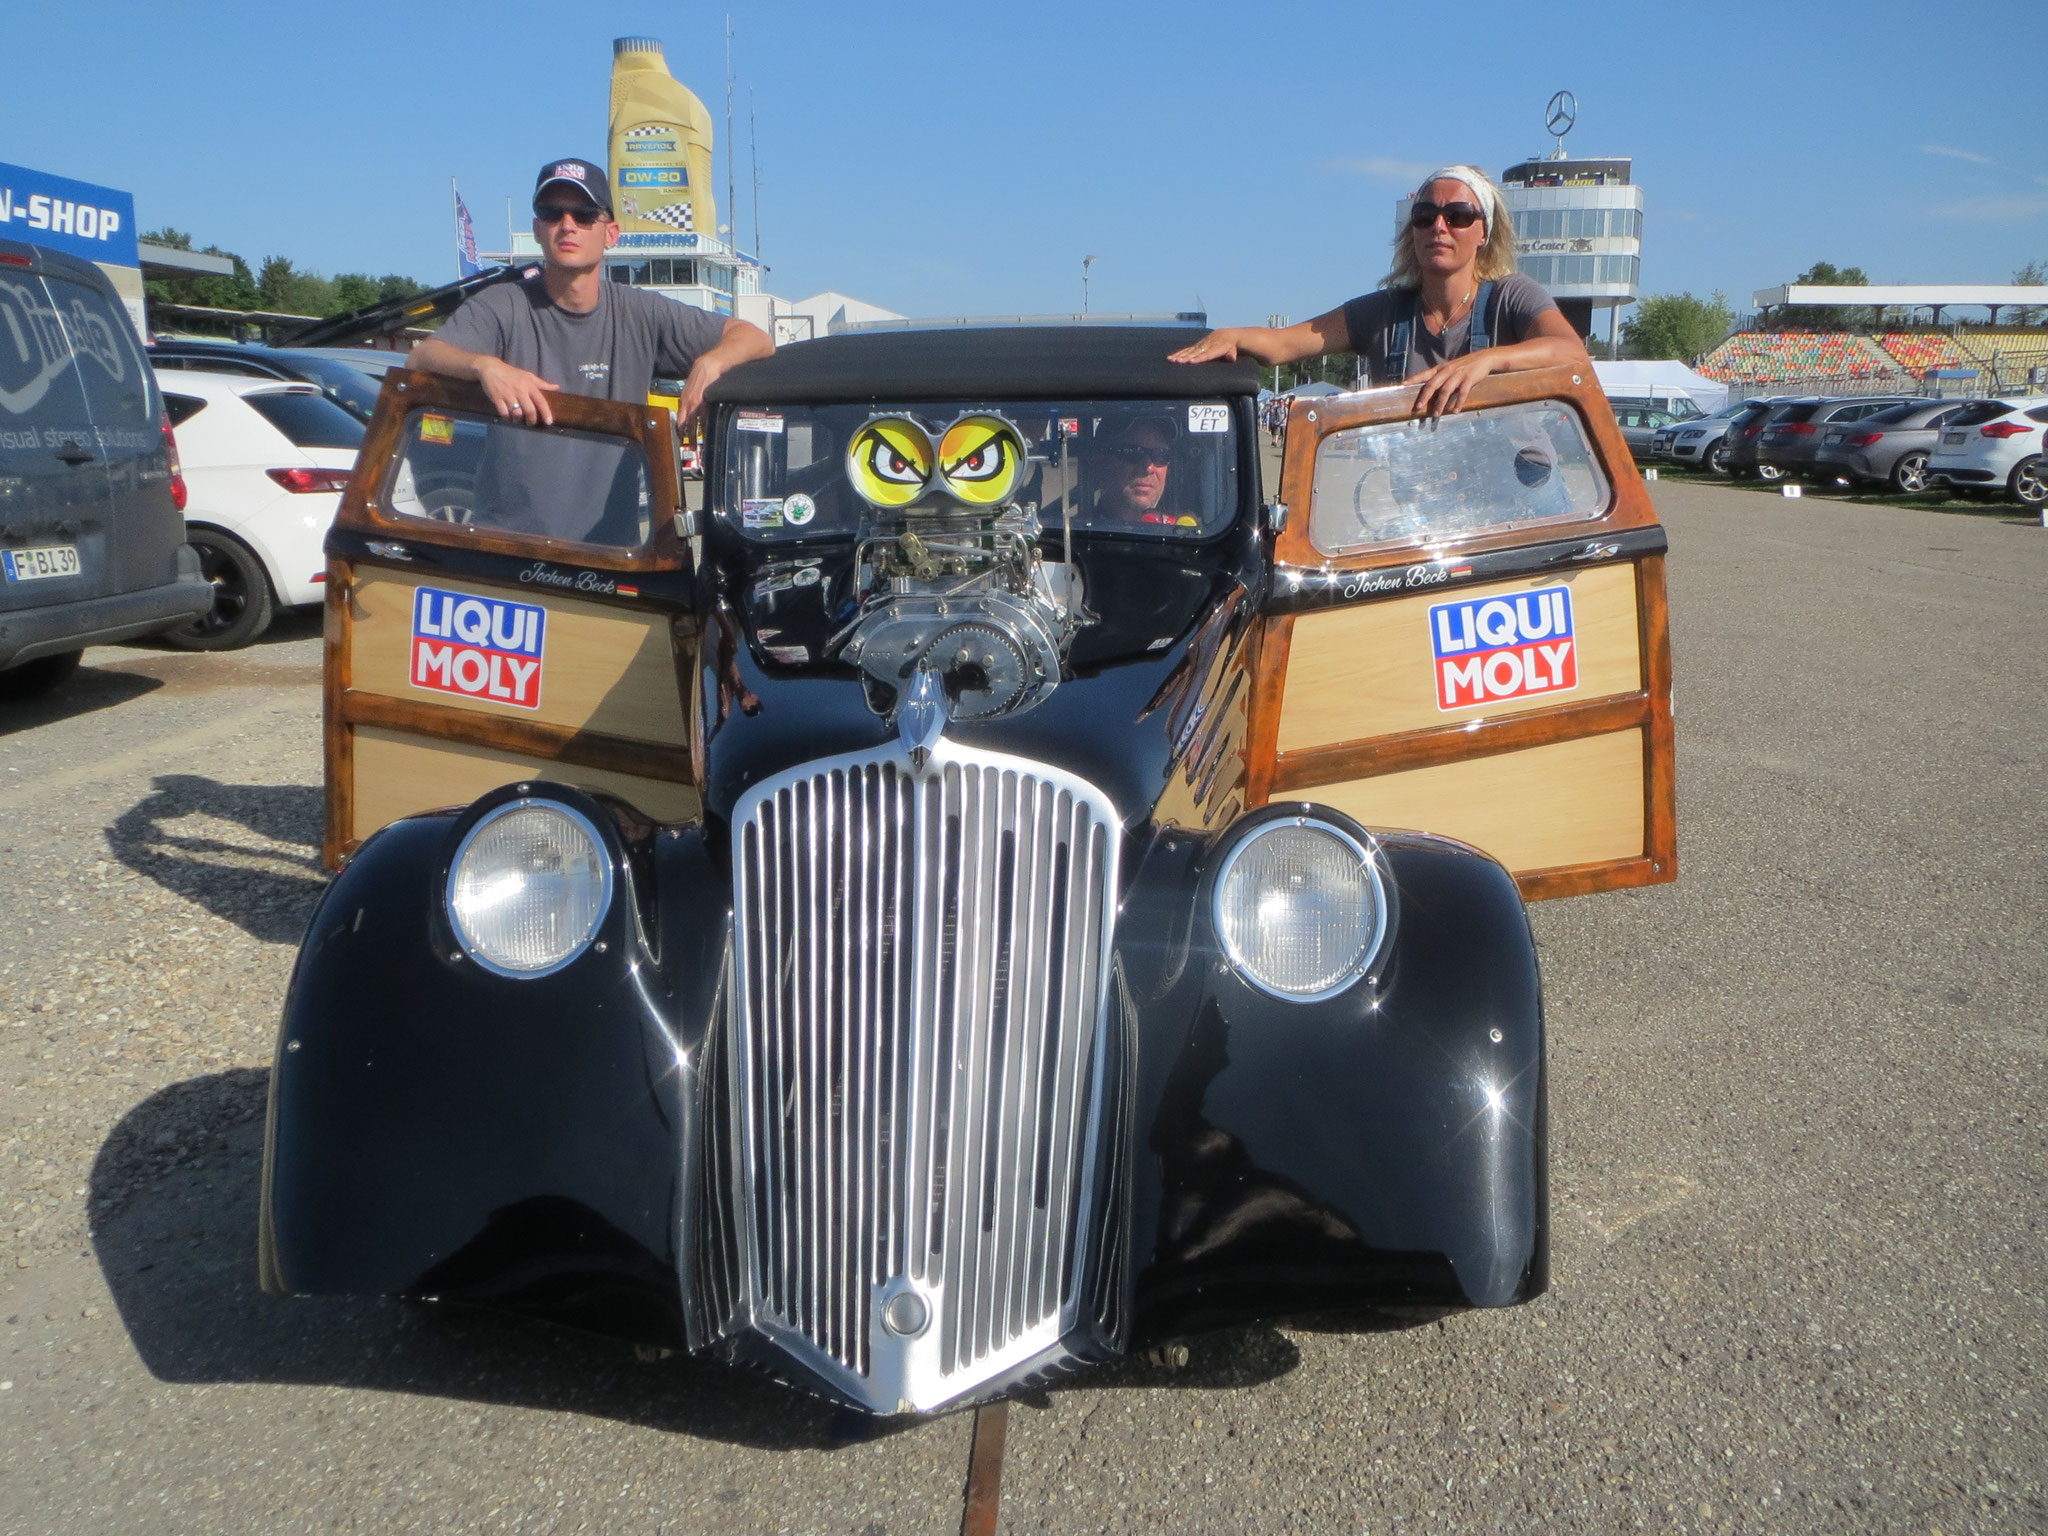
1509, 647
59, 216
478, 647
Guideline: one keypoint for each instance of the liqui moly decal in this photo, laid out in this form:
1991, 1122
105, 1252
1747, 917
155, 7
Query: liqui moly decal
1509, 647
478, 647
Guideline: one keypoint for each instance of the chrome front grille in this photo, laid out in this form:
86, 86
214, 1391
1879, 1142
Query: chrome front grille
917, 1054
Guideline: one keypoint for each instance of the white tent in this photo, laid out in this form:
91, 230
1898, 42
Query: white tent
1661, 380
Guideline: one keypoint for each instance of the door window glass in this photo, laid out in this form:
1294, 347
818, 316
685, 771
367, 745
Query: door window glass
545, 481
1413, 482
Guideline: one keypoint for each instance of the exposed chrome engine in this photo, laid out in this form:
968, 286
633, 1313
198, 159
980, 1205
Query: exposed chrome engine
965, 596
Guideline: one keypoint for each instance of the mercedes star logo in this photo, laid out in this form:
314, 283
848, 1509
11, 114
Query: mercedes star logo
1562, 112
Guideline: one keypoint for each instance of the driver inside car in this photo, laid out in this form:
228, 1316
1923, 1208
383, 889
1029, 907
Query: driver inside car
1129, 468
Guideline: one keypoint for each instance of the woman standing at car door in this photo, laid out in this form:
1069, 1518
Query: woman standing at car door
1452, 310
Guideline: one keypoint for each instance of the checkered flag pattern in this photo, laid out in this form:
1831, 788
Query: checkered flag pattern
680, 215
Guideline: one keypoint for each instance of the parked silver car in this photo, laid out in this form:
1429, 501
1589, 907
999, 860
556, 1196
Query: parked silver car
1698, 440
1889, 448
1791, 439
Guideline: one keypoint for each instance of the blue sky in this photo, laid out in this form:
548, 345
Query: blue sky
944, 160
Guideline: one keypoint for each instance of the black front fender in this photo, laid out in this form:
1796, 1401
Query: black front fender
436, 1129
1382, 1147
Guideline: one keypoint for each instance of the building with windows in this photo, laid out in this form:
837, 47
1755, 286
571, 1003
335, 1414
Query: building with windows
1578, 232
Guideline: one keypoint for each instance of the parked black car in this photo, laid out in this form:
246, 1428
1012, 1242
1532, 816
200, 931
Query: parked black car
956, 928
92, 540
347, 385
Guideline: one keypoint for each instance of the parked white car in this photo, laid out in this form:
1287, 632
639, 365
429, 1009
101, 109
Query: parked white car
265, 463
1992, 444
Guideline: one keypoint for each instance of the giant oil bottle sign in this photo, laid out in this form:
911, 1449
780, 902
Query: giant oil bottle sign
660, 149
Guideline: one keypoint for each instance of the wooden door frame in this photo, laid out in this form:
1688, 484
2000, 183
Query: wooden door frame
1305, 579
345, 708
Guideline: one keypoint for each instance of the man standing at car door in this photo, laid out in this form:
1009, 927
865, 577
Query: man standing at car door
571, 330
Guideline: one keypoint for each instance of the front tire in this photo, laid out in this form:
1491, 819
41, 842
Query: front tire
2029, 482
1909, 475
242, 604
32, 679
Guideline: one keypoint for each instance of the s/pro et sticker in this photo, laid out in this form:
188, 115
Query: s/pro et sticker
1508, 647
1208, 418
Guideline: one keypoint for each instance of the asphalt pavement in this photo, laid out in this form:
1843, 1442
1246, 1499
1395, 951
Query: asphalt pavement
1799, 1157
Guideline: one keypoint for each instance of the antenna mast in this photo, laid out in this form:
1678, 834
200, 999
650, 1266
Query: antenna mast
754, 150
731, 213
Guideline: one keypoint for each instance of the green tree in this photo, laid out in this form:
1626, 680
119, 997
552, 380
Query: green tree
2033, 273
1676, 325
289, 291
353, 290
1815, 317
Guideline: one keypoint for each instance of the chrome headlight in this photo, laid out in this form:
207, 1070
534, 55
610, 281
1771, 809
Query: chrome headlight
1301, 909
528, 887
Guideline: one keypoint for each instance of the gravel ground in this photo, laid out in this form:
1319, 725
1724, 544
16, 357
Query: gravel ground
1798, 1150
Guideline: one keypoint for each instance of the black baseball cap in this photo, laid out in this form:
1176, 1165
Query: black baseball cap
580, 174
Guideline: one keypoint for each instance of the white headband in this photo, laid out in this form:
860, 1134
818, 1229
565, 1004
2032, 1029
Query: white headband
1481, 192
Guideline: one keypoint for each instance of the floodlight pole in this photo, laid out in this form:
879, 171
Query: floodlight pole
1086, 263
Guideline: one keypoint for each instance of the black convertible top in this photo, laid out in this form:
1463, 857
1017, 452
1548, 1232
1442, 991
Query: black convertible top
991, 362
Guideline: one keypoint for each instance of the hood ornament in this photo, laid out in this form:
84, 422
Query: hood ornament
921, 717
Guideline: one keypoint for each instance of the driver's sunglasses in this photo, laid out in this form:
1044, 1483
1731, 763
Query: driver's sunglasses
1138, 453
585, 214
1458, 215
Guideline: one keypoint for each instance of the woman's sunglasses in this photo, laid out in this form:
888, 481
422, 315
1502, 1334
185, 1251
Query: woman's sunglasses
1458, 215
552, 213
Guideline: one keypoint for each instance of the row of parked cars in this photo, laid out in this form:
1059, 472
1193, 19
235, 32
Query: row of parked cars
1989, 446
182, 491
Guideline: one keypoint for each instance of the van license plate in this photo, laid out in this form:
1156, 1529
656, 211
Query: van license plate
40, 563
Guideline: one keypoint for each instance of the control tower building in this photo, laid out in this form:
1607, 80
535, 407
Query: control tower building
1578, 226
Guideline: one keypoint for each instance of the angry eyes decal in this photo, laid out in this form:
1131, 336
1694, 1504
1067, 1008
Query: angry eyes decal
979, 460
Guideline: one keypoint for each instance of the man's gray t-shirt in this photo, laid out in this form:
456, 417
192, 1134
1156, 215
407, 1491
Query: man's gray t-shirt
563, 485
1370, 320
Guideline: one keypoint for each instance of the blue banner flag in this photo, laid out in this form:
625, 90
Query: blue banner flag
466, 263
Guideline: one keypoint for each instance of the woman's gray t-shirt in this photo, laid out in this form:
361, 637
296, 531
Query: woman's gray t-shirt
1370, 319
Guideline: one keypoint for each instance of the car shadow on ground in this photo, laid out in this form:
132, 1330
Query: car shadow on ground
247, 853
88, 689
174, 1198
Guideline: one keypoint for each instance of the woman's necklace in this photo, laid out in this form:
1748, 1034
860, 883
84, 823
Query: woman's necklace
1458, 309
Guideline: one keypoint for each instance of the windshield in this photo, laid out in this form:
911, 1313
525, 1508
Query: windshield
547, 481
1149, 469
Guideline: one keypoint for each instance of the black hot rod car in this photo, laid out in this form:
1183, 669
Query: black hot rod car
993, 891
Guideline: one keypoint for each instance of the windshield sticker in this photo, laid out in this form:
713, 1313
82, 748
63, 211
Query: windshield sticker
1488, 649
437, 429
477, 647
765, 513
806, 576
798, 510
1208, 418
1070, 426
758, 421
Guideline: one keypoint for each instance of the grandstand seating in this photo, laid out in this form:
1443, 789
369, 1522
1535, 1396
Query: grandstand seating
1764, 357
2011, 353
1918, 351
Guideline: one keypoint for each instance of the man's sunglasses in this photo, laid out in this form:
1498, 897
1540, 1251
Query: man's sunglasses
585, 214
1458, 215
